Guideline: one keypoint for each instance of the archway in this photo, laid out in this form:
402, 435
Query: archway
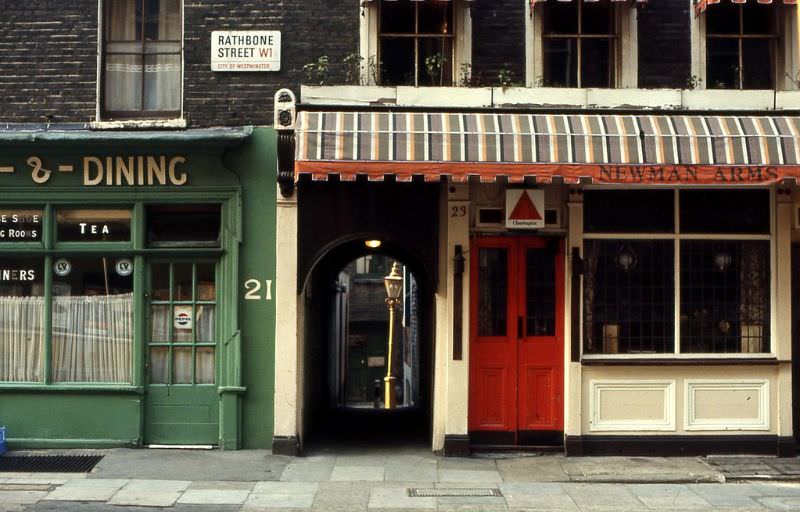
346, 356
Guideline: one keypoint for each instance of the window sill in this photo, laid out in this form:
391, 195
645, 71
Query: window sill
138, 124
69, 388
698, 360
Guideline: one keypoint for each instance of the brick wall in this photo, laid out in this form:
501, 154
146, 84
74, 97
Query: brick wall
498, 29
664, 44
48, 57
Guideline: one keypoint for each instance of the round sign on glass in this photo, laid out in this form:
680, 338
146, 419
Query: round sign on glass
124, 267
62, 267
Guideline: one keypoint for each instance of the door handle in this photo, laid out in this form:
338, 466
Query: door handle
519, 327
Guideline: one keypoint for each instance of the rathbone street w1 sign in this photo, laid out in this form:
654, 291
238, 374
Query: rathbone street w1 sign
245, 50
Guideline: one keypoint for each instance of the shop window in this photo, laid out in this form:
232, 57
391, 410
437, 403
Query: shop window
93, 225
579, 44
182, 323
92, 316
21, 225
22, 317
184, 225
141, 59
408, 42
707, 278
741, 46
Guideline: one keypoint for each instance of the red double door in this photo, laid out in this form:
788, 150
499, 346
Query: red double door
517, 341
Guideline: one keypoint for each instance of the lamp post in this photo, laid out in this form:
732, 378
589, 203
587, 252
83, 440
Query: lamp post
394, 286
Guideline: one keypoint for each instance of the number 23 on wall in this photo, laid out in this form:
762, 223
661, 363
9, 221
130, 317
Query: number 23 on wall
253, 289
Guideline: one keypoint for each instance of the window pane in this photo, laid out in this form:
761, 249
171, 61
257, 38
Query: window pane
435, 61
560, 18
560, 62
123, 20
159, 371
397, 58
21, 319
204, 369
596, 62
92, 321
123, 82
723, 63
723, 18
625, 211
724, 296
183, 324
162, 20
206, 283
193, 224
540, 293
758, 59
182, 365
725, 211
20, 225
182, 281
435, 17
492, 292
596, 18
397, 17
159, 323
162, 82
759, 19
629, 296
159, 281
93, 225
206, 316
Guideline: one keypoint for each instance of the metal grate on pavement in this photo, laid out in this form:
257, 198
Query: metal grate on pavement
454, 492
48, 463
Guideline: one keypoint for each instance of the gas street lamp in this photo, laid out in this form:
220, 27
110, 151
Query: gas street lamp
394, 287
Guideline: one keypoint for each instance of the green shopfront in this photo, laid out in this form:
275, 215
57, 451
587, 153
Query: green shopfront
136, 274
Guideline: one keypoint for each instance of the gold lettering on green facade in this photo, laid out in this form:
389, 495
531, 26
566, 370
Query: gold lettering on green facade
133, 170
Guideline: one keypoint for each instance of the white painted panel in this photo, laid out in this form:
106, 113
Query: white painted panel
726, 405
632, 405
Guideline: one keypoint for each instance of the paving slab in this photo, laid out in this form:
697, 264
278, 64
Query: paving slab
668, 497
357, 473
139, 497
214, 497
157, 485
780, 502
398, 498
278, 500
308, 471
220, 485
639, 469
82, 494
469, 475
524, 469
20, 497
403, 473
168, 464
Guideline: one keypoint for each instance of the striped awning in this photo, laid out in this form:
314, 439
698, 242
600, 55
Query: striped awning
702, 5
652, 149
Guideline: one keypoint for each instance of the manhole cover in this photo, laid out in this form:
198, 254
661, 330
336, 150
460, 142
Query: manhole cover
49, 463
454, 492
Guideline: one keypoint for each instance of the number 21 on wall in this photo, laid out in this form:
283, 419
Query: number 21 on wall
253, 289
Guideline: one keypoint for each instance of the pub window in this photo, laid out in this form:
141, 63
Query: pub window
742, 45
579, 44
141, 57
702, 287
416, 43
183, 225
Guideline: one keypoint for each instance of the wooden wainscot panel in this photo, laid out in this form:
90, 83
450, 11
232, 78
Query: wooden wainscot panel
632, 405
727, 404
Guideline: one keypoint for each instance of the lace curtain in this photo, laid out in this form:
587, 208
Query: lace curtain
21, 339
92, 338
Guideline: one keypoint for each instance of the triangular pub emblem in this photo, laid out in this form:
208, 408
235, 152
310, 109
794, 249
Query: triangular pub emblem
524, 209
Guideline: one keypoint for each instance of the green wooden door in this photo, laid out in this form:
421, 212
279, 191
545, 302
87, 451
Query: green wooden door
182, 404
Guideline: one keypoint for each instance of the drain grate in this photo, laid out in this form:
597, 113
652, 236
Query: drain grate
454, 492
49, 463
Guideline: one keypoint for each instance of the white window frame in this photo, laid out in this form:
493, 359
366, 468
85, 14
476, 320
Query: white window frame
100, 123
626, 73
369, 37
788, 50
676, 238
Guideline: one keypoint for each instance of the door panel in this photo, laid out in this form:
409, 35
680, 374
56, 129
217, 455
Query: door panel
516, 351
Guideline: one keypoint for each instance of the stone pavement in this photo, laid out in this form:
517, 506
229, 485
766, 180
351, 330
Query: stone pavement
391, 480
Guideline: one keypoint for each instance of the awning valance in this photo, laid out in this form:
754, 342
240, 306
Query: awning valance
606, 148
534, 2
702, 5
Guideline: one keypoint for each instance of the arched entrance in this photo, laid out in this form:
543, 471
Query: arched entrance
347, 359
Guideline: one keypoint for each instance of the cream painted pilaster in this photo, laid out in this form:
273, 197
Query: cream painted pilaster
451, 378
783, 314
287, 334
572, 371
